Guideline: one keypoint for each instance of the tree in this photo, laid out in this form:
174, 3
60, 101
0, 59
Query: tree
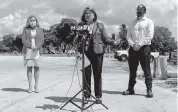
7, 43
7, 40
49, 40
61, 36
11, 43
163, 40
122, 35
18, 42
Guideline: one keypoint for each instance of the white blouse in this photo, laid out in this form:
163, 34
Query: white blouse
33, 33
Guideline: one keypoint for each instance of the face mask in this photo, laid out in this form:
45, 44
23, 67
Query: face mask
33, 22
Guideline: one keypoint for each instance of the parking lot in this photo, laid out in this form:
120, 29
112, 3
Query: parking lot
57, 77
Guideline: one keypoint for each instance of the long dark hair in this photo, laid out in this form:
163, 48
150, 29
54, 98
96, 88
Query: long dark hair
90, 9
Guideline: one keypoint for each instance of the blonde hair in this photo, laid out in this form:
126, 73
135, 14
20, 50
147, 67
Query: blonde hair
28, 22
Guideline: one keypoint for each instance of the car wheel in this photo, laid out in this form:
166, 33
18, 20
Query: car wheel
119, 59
123, 58
151, 58
115, 57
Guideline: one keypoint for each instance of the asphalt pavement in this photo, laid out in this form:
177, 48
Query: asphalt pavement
60, 80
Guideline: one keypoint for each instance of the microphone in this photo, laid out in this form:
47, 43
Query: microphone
80, 28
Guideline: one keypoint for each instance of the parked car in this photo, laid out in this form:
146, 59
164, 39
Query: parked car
122, 55
71, 52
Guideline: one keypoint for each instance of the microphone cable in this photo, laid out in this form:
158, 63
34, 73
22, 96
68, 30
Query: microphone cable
70, 85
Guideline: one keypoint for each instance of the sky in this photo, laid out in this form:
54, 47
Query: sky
113, 13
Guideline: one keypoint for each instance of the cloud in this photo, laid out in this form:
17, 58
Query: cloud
111, 28
13, 23
42, 5
5, 4
85, 2
111, 12
49, 18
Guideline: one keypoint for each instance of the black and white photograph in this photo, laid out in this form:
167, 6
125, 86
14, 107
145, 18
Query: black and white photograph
88, 55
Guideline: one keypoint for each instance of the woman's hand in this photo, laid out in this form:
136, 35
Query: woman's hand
116, 42
78, 55
34, 47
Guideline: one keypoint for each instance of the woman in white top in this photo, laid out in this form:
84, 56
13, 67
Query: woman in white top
32, 39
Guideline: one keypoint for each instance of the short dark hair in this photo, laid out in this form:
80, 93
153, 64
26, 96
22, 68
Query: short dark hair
90, 9
141, 6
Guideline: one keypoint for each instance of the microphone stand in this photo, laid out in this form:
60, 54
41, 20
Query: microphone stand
82, 107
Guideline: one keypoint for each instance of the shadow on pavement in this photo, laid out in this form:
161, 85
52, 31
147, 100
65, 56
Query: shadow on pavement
14, 89
48, 106
118, 92
87, 110
111, 92
63, 99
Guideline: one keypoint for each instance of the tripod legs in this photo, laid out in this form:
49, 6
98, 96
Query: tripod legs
83, 90
71, 101
82, 108
95, 102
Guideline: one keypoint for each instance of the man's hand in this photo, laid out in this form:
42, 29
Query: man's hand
136, 47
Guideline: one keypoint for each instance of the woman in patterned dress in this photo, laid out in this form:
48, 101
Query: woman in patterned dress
32, 39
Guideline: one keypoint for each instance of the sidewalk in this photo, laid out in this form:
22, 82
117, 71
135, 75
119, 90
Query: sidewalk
56, 78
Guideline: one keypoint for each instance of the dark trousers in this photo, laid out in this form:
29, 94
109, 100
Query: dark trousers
142, 56
96, 61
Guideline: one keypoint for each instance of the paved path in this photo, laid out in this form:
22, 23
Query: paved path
56, 78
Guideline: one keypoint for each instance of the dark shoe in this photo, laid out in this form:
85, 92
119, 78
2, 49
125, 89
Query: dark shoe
129, 92
86, 100
98, 101
149, 93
